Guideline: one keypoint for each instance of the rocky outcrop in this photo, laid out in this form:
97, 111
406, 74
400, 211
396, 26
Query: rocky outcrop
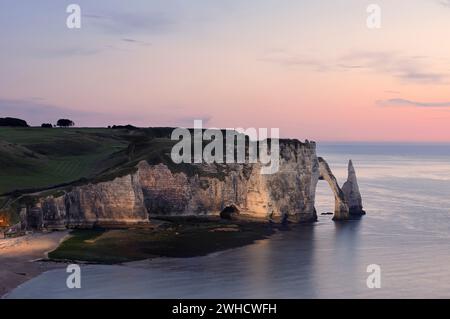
351, 192
117, 202
290, 192
157, 190
341, 210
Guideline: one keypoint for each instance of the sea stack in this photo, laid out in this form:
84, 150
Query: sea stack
351, 192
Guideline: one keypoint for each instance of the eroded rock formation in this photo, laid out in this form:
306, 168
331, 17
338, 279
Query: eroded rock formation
351, 192
155, 190
341, 210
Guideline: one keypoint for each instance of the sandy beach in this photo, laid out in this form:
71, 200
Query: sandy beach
18, 258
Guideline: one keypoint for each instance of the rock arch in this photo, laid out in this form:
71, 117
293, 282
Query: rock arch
341, 210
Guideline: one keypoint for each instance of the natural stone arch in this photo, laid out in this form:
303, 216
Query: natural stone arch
341, 211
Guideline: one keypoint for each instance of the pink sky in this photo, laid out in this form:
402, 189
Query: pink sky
311, 68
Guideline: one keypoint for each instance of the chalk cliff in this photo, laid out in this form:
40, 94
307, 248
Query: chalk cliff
156, 190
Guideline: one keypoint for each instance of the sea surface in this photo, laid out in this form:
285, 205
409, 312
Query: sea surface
406, 193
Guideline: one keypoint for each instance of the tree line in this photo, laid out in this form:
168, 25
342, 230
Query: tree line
15, 122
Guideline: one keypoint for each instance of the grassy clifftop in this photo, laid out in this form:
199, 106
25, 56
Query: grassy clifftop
38, 159
33, 158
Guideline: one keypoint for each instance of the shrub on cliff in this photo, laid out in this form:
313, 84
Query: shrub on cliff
13, 122
65, 123
127, 127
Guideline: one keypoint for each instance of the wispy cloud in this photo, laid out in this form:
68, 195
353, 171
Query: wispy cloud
285, 59
445, 3
413, 69
37, 111
130, 23
71, 51
405, 102
115, 31
406, 68
135, 41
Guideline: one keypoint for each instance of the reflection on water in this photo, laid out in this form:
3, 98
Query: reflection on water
406, 232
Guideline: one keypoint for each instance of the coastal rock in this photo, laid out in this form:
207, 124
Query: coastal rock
290, 191
155, 190
341, 210
351, 192
117, 202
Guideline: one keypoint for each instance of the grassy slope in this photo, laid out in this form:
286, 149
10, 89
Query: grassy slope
35, 157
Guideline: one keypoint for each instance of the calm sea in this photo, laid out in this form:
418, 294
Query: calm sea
406, 193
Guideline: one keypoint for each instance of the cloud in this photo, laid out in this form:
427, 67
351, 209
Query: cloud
405, 102
135, 41
413, 69
115, 31
284, 59
130, 23
445, 3
35, 111
409, 69
68, 52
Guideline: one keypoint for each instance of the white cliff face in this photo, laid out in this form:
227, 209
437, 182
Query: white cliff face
116, 202
351, 192
155, 190
289, 192
292, 189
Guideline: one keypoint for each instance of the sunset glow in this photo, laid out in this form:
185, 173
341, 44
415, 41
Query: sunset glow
312, 69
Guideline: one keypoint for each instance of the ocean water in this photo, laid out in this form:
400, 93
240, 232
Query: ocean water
406, 193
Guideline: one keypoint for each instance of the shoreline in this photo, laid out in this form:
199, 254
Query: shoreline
25, 258
176, 237
19, 258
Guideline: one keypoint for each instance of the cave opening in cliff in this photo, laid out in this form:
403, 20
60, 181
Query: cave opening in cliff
229, 211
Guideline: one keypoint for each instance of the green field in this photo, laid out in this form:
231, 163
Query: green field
34, 157
50, 161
